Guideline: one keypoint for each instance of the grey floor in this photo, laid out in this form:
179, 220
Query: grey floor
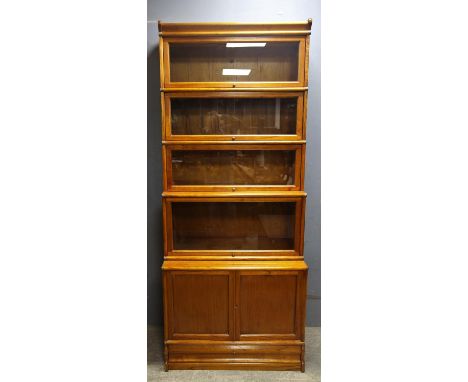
156, 371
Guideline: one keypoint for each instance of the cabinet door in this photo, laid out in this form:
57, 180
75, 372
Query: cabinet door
270, 305
233, 227
199, 304
233, 116
232, 167
234, 62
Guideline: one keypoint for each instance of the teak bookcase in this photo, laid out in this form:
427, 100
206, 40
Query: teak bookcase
234, 106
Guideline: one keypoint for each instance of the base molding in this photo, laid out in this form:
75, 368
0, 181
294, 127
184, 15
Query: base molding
277, 366
234, 355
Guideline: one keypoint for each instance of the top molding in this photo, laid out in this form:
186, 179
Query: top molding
227, 29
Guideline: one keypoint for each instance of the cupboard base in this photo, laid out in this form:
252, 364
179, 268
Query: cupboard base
234, 355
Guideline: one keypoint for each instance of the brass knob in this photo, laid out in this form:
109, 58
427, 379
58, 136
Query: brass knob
233, 189
233, 138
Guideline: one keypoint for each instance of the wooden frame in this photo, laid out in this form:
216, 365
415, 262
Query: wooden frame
219, 305
301, 72
235, 29
168, 178
171, 253
166, 106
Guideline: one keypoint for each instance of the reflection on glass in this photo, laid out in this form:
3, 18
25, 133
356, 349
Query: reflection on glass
236, 72
274, 61
233, 226
233, 167
233, 116
245, 44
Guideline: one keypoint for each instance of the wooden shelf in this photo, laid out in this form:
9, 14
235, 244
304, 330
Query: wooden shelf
237, 194
285, 265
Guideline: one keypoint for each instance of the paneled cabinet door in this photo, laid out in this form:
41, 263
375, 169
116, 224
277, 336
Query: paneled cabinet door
235, 305
270, 305
234, 62
199, 305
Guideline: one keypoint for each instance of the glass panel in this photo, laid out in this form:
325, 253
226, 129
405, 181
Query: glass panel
233, 62
233, 167
233, 225
233, 116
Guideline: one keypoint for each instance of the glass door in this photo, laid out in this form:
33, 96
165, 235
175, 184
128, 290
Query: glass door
234, 62
233, 116
234, 226
232, 167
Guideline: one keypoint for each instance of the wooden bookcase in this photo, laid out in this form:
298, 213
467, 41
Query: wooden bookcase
234, 106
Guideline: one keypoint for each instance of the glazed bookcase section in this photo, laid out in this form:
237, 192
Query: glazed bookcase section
240, 62
234, 102
234, 167
234, 227
233, 115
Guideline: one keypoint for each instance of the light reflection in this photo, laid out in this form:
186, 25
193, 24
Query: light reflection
236, 72
245, 44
